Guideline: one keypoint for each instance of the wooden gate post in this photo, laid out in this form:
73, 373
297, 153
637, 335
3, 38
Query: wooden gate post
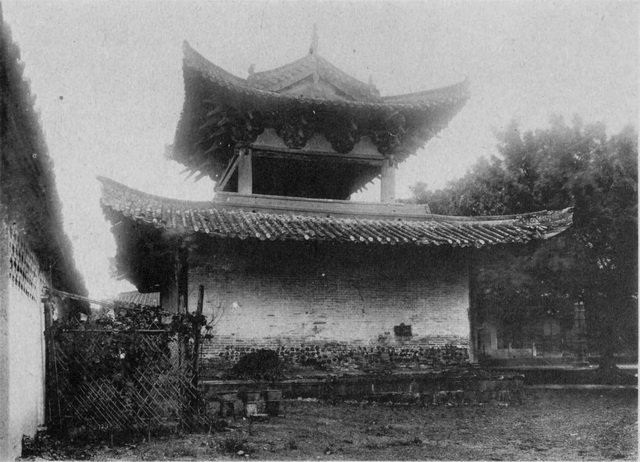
196, 337
51, 381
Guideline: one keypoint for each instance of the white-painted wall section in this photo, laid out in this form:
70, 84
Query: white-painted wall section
22, 330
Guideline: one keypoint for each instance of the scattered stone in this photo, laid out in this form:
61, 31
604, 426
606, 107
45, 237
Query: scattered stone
259, 417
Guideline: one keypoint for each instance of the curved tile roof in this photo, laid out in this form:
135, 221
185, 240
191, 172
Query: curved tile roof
236, 219
211, 91
278, 79
149, 299
264, 86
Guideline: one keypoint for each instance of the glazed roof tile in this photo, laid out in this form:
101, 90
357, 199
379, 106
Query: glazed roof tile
264, 218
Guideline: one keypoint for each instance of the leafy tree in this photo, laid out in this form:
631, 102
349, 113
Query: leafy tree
594, 262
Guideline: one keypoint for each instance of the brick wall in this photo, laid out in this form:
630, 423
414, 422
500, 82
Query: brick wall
330, 302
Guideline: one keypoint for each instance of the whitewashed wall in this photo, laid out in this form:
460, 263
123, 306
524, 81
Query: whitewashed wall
22, 337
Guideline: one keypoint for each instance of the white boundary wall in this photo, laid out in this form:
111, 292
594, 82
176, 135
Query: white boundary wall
22, 347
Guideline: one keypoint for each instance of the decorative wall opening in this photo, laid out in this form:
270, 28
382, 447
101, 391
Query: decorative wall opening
23, 265
402, 330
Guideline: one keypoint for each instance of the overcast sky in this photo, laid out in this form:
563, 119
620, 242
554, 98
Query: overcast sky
108, 76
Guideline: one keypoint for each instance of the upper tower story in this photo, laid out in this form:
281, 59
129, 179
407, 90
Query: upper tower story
305, 129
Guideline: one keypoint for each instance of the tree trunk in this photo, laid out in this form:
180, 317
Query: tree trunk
610, 374
607, 360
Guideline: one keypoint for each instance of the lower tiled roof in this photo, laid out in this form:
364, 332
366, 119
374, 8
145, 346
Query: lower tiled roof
241, 221
137, 298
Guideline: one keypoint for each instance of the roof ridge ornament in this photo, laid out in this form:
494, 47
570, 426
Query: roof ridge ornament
372, 86
314, 40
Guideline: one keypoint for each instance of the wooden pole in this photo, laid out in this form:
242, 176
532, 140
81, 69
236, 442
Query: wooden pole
183, 280
471, 262
200, 299
245, 173
196, 338
388, 182
48, 352
176, 277
51, 376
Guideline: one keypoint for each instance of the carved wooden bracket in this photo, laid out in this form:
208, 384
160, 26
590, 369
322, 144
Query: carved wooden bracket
295, 132
247, 128
343, 136
343, 141
224, 122
387, 140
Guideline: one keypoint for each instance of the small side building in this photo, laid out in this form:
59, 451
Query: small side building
34, 253
134, 297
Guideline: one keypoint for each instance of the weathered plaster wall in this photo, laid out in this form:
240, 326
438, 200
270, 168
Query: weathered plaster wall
22, 332
5, 452
29, 205
336, 300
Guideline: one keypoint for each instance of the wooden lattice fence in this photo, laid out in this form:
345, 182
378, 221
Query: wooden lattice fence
122, 380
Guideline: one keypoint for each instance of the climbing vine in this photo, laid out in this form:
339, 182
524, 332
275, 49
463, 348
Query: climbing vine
127, 367
126, 340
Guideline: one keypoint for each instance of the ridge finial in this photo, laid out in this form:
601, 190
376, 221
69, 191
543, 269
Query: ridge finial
314, 40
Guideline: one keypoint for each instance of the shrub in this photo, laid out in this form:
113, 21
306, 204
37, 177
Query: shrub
259, 365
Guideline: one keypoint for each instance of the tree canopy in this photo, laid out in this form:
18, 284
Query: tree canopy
595, 262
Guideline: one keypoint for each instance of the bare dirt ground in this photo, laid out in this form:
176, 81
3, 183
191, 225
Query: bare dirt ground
548, 425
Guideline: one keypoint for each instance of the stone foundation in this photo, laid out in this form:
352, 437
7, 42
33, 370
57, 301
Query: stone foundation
342, 357
462, 386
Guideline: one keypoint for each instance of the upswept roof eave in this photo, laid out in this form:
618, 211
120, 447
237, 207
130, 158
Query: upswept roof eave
447, 96
456, 90
195, 60
144, 208
147, 198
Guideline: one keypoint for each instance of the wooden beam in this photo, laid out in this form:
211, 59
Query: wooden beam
228, 173
316, 157
286, 153
388, 182
196, 339
182, 276
245, 174
473, 305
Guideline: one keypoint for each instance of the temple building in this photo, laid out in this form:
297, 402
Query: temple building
287, 261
